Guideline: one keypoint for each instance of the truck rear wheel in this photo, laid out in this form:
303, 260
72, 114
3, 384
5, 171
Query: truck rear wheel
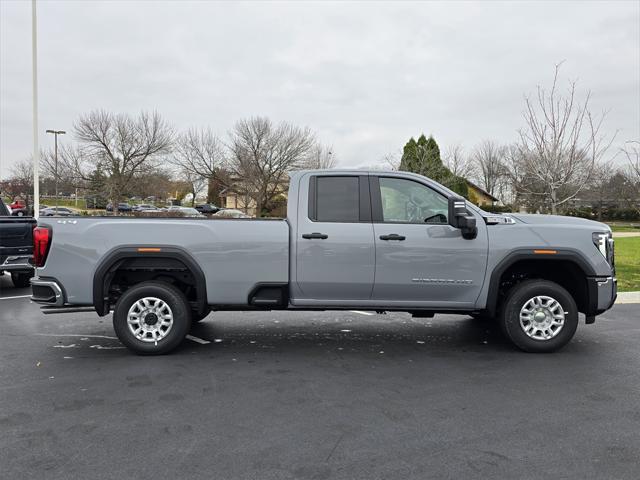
539, 316
21, 279
152, 318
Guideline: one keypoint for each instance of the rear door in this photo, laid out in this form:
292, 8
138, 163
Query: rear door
420, 259
335, 258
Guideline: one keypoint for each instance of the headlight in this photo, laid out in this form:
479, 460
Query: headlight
604, 243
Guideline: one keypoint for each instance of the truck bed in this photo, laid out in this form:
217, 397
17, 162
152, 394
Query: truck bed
234, 254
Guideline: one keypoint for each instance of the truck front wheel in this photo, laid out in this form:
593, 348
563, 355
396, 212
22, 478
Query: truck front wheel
152, 318
539, 316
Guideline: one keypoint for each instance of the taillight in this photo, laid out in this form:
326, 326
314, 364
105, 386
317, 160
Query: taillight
41, 243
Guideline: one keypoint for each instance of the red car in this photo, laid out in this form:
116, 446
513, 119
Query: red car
17, 205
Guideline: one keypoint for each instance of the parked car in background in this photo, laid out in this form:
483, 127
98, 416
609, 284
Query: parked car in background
207, 208
57, 212
17, 204
143, 206
19, 211
16, 247
185, 211
122, 207
230, 213
160, 212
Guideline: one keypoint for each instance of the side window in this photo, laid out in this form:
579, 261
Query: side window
334, 199
406, 201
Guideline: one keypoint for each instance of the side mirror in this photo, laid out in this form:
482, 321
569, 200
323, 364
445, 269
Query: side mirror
460, 218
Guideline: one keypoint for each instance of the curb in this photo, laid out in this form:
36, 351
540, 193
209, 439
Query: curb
628, 297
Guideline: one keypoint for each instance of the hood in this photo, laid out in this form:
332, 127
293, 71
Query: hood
534, 219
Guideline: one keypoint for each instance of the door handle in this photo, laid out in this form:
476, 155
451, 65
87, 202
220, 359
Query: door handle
310, 236
393, 236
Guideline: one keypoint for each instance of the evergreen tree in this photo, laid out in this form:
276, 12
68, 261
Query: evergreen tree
423, 157
409, 161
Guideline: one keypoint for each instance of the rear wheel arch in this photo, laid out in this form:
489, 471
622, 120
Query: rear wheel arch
158, 261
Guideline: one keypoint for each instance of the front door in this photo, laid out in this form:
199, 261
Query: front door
335, 254
420, 259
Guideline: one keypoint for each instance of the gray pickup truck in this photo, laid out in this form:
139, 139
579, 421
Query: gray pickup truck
383, 241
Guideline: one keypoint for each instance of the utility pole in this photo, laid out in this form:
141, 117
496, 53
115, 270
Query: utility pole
36, 152
55, 174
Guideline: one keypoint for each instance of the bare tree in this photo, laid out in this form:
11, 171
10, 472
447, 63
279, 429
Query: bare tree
20, 181
564, 141
632, 153
201, 154
458, 163
121, 146
599, 188
320, 157
195, 182
262, 153
388, 161
489, 158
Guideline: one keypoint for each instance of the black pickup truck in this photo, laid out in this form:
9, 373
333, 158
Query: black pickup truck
16, 246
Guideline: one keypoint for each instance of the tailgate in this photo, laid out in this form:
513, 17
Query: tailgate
16, 236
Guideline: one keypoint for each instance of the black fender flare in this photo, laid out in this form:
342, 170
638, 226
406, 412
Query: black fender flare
114, 258
529, 253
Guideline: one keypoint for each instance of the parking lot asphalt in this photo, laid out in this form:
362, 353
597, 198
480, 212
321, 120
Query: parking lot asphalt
317, 395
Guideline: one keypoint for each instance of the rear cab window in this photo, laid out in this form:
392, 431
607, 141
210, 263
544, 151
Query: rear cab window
339, 198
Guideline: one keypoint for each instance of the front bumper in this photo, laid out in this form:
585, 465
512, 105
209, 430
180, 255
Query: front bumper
16, 264
603, 292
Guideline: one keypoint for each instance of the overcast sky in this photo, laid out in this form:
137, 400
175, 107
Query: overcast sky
364, 76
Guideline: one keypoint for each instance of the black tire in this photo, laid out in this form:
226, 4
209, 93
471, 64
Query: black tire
516, 299
198, 317
180, 310
21, 279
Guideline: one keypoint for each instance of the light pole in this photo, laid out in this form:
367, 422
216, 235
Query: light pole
55, 173
34, 84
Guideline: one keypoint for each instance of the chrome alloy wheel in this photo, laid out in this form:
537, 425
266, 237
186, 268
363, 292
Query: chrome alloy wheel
150, 319
542, 317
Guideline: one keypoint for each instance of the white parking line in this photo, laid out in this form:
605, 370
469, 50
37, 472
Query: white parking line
197, 340
17, 296
74, 335
361, 312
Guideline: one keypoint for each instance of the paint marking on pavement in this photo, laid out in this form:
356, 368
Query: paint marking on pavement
361, 312
75, 335
197, 340
17, 296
